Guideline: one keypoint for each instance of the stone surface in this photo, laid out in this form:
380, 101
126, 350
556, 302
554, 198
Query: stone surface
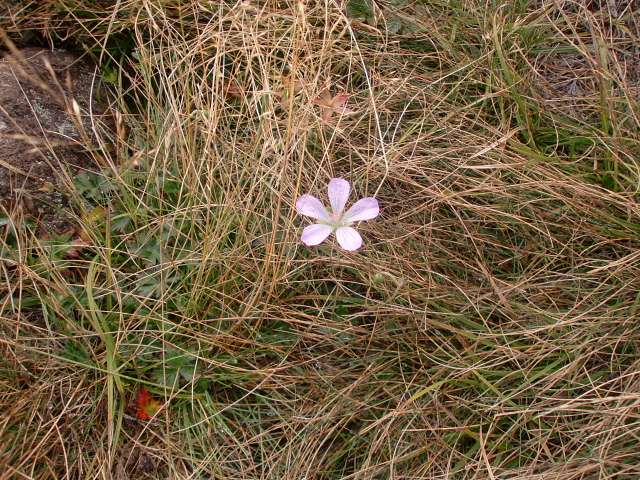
41, 147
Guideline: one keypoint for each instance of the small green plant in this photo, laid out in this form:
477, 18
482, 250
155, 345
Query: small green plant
181, 366
11, 230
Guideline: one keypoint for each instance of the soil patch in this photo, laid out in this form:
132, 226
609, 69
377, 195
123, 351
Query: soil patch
50, 114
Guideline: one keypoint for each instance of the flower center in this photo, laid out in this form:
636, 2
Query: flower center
334, 217
337, 221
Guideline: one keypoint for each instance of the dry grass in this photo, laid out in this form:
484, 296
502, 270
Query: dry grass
486, 330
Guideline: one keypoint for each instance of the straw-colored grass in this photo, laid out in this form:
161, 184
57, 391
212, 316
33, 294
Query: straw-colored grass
487, 328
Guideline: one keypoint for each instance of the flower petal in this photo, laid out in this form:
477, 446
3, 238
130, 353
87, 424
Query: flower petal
363, 209
348, 238
338, 194
315, 234
312, 207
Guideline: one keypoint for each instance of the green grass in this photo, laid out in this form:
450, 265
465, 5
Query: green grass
487, 327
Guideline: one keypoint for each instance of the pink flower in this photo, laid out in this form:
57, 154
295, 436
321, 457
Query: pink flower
332, 105
337, 220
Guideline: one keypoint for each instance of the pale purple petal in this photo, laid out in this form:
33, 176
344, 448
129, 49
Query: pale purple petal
315, 234
363, 209
348, 238
338, 194
312, 207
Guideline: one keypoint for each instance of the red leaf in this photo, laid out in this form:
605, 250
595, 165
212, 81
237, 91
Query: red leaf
331, 105
147, 407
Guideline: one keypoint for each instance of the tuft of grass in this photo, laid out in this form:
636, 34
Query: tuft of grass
485, 330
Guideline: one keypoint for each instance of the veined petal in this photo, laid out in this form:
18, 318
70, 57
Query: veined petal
363, 209
315, 234
312, 207
348, 238
338, 195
